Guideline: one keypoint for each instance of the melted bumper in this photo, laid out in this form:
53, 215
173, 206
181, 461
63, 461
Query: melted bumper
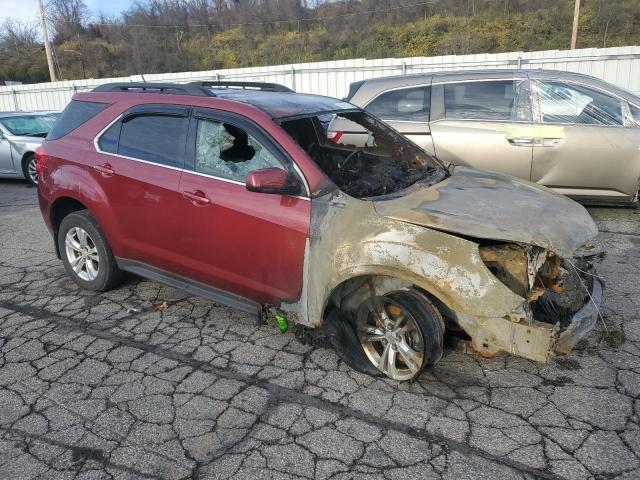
582, 322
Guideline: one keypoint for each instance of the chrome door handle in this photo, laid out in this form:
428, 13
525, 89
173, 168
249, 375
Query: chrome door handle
197, 198
105, 170
521, 141
547, 142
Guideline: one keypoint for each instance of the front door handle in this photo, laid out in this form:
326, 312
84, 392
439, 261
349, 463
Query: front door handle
197, 198
534, 141
547, 142
521, 141
105, 170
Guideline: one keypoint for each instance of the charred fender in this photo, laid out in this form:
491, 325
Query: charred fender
349, 239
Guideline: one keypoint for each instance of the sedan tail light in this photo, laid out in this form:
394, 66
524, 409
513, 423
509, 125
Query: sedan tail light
41, 159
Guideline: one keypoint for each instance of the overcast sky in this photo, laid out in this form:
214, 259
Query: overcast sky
27, 10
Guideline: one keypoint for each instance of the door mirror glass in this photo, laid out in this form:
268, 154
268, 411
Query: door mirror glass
273, 180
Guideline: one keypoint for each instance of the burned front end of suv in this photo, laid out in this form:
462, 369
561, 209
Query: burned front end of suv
505, 262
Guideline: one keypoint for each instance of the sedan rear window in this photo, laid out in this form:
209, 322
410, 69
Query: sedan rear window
29, 125
76, 113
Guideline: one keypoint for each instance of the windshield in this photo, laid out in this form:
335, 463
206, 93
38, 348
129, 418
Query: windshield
29, 125
361, 154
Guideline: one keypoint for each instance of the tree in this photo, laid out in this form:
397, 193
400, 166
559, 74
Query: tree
67, 18
22, 56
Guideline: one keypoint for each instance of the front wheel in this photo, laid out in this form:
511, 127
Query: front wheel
400, 333
86, 254
29, 170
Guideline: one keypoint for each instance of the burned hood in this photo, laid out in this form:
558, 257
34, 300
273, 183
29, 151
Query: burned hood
494, 206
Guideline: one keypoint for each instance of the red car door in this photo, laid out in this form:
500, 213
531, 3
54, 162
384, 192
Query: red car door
139, 165
251, 244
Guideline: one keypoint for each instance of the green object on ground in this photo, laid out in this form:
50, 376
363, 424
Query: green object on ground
283, 324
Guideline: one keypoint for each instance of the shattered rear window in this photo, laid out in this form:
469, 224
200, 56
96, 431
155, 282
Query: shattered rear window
362, 155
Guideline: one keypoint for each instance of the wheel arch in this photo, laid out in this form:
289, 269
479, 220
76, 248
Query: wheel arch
350, 291
23, 163
60, 208
25, 155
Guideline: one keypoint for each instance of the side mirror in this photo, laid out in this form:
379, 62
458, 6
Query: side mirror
273, 180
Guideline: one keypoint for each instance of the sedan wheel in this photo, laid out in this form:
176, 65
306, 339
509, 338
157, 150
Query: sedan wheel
32, 171
82, 254
29, 170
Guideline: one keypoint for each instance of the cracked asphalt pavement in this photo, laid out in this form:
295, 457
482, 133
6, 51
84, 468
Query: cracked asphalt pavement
106, 386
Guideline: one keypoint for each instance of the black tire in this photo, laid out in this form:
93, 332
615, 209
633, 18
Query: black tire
26, 161
343, 333
108, 273
429, 320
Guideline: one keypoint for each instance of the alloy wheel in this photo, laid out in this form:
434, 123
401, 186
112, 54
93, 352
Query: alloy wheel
32, 170
82, 254
391, 338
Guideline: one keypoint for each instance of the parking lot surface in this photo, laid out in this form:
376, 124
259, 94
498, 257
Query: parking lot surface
145, 382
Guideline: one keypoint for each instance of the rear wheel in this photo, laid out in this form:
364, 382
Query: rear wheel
85, 252
29, 164
401, 333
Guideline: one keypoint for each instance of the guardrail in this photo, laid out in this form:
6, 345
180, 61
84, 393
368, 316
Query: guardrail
618, 65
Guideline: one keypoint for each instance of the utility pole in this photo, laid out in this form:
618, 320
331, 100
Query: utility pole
47, 45
574, 32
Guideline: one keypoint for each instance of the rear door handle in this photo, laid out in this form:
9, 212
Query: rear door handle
197, 198
105, 170
521, 141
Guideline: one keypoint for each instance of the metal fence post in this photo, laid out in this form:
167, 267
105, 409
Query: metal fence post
293, 79
404, 68
15, 100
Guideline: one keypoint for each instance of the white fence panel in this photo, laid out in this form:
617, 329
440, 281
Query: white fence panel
618, 65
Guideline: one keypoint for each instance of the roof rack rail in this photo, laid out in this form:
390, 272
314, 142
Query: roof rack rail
266, 86
143, 87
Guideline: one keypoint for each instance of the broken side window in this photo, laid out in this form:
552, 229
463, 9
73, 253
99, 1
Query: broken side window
226, 151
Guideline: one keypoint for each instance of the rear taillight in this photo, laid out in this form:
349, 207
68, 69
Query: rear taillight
334, 136
41, 159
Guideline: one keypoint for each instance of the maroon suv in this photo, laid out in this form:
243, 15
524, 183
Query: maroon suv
267, 200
